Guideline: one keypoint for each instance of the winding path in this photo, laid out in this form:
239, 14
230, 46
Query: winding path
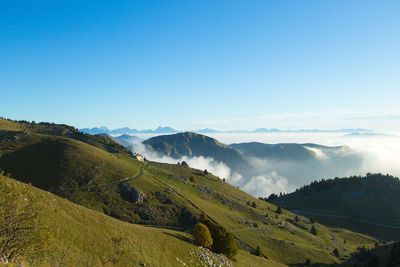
98, 185
337, 244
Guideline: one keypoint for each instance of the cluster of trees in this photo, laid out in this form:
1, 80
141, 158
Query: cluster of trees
214, 236
366, 257
371, 180
272, 197
394, 258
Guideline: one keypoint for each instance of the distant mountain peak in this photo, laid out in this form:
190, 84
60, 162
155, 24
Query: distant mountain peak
127, 130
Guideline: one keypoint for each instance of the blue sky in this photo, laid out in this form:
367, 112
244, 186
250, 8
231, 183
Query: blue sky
196, 64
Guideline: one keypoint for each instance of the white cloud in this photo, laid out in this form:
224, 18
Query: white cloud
203, 163
378, 154
319, 154
266, 184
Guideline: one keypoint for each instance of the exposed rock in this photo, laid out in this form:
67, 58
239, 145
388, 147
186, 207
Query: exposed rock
130, 194
205, 189
211, 259
168, 190
168, 201
159, 195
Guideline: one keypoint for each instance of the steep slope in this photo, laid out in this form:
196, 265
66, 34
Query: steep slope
367, 204
167, 195
193, 144
83, 237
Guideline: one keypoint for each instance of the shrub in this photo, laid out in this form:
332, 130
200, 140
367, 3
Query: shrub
23, 232
223, 241
193, 179
257, 252
202, 235
313, 230
254, 205
203, 218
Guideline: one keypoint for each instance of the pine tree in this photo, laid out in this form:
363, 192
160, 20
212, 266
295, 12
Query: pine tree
336, 253
279, 210
184, 164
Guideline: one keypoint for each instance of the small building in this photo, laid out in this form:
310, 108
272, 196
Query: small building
138, 157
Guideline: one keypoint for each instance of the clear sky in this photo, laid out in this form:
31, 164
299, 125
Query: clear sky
196, 64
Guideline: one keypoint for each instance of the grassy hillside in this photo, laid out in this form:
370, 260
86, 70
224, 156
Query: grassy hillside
366, 204
80, 236
101, 141
165, 195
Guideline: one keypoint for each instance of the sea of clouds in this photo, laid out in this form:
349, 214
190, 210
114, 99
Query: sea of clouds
378, 153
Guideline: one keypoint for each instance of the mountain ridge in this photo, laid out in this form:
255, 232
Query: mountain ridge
166, 195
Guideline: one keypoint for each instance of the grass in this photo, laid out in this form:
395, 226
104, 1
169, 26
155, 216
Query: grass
90, 175
81, 236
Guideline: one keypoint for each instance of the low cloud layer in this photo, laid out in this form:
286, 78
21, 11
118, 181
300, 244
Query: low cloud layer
203, 163
261, 185
362, 154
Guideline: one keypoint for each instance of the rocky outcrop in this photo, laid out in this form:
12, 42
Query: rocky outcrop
130, 194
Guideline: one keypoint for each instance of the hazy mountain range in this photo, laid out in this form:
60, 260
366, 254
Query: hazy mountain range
256, 167
164, 130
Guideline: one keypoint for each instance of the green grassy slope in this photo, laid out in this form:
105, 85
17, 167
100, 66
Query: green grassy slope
80, 236
365, 204
101, 141
110, 183
280, 239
